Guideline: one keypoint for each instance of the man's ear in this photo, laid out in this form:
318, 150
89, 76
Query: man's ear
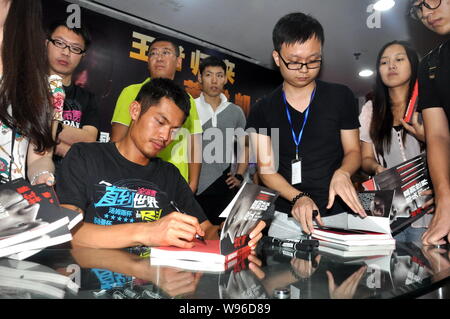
135, 110
179, 62
199, 77
276, 57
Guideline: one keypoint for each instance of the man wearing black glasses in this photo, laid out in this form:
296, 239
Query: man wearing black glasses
65, 49
318, 129
434, 102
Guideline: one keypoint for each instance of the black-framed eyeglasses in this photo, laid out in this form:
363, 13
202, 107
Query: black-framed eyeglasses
164, 53
298, 65
62, 45
416, 10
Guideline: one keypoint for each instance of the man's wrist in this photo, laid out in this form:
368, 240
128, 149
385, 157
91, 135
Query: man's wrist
142, 234
300, 195
342, 171
239, 177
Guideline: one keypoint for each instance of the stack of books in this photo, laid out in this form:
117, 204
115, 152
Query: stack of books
31, 219
354, 243
349, 235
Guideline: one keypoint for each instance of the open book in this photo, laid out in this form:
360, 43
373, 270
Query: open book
243, 213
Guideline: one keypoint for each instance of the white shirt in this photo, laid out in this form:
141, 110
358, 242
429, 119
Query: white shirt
205, 110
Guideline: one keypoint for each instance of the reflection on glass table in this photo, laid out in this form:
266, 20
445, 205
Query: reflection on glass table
271, 272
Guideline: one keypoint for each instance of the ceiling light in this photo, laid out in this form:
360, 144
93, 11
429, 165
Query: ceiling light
383, 5
366, 73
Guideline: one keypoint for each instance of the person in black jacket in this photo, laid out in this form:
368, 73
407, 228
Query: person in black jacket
434, 102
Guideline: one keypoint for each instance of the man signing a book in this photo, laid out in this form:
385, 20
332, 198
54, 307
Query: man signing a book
125, 192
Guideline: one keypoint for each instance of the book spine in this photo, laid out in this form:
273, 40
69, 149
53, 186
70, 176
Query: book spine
412, 104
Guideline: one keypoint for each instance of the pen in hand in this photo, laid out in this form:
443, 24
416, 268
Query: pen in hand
197, 236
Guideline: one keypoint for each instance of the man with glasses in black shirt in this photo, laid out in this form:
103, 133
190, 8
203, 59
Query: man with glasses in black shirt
434, 102
318, 129
66, 47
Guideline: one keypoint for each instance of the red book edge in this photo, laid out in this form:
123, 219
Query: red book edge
369, 185
412, 104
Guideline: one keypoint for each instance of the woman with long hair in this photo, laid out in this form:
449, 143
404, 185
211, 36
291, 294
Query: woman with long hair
386, 139
26, 101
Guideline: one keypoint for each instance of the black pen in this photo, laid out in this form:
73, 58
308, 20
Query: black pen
197, 236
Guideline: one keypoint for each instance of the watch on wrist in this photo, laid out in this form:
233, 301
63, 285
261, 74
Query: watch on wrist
239, 177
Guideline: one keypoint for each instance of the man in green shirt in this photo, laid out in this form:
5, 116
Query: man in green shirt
185, 150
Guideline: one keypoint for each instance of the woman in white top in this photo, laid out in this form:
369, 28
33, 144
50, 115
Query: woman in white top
386, 140
26, 110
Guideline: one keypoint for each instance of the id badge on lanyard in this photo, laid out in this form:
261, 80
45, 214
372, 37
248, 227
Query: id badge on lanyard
296, 164
296, 168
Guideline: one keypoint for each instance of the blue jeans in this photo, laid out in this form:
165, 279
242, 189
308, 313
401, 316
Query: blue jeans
411, 234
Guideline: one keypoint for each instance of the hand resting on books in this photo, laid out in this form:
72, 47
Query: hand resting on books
341, 185
303, 212
438, 232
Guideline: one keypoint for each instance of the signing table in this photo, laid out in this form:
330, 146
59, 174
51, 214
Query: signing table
272, 273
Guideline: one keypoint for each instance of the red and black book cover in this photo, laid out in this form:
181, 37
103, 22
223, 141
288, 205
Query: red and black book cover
409, 179
252, 204
27, 213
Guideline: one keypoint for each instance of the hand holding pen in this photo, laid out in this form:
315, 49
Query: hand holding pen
197, 236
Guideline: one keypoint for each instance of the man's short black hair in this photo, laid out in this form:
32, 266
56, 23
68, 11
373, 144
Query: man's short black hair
212, 61
152, 92
82, 31
161, 39
296, 27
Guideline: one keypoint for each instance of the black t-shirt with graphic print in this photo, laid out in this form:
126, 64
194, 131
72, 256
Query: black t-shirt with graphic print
80, 109
332, 109
112, 190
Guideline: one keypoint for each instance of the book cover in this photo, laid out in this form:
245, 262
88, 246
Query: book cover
249, 206
408, 180
27, 213
49, 198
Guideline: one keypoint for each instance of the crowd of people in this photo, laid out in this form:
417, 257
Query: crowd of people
126, 189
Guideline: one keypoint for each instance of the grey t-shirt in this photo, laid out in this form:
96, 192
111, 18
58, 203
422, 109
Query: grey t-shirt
218, 139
